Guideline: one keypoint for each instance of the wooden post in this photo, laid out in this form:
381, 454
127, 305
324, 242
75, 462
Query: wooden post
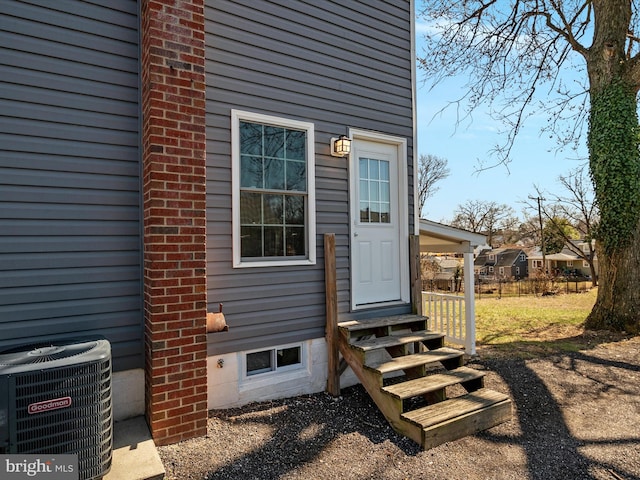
331, 292
415, 274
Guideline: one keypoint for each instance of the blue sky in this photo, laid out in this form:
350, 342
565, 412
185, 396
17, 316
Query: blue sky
535, 160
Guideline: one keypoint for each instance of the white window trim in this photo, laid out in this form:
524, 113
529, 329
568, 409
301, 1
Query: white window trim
236, 117
290, 372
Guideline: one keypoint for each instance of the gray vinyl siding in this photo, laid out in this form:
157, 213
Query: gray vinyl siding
337, 64
69, 174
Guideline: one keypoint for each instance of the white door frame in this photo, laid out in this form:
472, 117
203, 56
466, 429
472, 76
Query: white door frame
403, 210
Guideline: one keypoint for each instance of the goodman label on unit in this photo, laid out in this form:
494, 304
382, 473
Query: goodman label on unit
48, 405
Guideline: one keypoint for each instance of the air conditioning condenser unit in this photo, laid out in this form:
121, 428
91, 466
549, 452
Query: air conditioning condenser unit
56, 399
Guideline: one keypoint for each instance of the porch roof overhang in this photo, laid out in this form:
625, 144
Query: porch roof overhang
438, 238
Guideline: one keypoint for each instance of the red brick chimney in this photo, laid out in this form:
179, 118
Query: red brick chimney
173, 159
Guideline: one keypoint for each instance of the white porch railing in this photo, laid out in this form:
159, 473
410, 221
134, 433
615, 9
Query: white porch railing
447, 314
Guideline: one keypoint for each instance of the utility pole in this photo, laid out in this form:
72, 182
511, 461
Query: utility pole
544, 259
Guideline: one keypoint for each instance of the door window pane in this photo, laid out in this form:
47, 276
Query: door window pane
375, 188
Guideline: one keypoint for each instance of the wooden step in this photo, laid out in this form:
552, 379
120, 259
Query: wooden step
432, 383
461, 416
382, 326
395, 320
395, 340
444, 354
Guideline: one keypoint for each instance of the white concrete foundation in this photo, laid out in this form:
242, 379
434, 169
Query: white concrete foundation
229, 387
127, 389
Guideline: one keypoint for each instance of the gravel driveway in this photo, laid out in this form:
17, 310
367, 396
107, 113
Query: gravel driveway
576, 416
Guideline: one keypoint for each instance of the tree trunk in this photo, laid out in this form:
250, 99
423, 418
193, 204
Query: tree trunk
618, 301
615, 169
614, 162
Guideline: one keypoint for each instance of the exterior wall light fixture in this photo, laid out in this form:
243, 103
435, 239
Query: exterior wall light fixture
341, 146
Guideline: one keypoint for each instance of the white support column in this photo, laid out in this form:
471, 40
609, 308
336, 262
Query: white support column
470, 304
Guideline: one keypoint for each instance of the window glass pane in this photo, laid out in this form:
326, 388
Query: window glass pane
364, 190
364, 168
385, 216
288, 356
273, 160
250, 208
296, 176
296, 145
295, 241
273, 242
374, 170
384, 192
373, 191
251, 172
273, 209
294, 213
259, 362
273, 174
251, 241
250, 138
384, 170
364, 212
273, 141
375, 213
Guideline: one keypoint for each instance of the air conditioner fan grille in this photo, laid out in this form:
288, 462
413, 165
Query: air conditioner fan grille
42, 353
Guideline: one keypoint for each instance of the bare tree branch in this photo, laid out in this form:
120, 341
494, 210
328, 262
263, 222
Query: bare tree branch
431, 170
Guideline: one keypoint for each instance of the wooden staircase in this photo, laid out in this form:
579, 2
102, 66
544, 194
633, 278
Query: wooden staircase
422, 406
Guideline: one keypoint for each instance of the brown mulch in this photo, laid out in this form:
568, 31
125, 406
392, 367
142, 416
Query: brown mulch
576, 416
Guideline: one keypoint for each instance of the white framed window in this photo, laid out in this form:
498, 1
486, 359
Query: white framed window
570, 263
501, 270
517, 270
522, 257
585, 264
273, 360
490, 269
536, 263
273, 190
492, 257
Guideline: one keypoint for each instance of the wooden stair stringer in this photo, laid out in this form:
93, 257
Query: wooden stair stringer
429, 373
389, 406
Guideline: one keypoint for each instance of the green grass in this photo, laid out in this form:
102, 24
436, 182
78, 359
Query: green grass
531, 326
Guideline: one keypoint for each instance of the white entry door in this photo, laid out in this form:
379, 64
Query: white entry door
376, 249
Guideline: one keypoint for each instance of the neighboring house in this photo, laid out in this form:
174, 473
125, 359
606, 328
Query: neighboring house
568, 262
441, 272
160, 158
501, 263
